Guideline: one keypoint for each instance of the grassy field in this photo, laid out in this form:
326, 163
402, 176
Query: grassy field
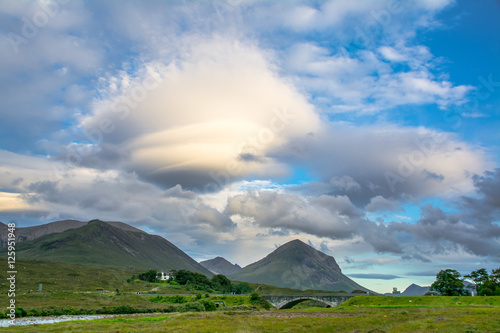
362, 314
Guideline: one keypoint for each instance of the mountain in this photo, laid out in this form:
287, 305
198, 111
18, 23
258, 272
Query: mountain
220, 265
297, 265
415, 290
29, 233
101, 243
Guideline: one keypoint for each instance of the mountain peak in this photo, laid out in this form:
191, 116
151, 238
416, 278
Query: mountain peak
299, 266
220, 265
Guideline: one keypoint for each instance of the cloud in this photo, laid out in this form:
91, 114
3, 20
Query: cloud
172, 138
387, 161
375, 276
365, 82
380, 203
334, 217
214, 218
445, 232
345, 183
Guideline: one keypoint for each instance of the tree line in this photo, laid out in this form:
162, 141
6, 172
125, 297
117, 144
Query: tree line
450, 282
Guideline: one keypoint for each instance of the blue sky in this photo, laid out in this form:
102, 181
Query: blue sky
368, 129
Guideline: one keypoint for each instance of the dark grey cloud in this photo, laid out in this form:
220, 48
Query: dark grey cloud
178, 192
378, 203
214, 218
348, 260
485, 207
97, 156
423, 273
415, 256
390, 162
446, 232
375, 276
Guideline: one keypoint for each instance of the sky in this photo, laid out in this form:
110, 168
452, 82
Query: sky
367, 129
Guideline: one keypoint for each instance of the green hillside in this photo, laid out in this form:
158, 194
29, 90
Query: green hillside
99, 243
297, 265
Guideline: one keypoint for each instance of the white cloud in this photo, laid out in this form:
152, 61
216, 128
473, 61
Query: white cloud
221, 110
364, 83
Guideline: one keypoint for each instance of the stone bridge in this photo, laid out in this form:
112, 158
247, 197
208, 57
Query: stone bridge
288, 301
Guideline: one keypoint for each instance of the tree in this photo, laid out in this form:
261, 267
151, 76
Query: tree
149, 276
479, 277
486, 285
449, 282
222, 283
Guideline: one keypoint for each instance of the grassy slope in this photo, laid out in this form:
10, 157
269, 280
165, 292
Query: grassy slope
99, 243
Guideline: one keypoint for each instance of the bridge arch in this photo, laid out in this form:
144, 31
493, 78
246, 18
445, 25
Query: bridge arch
288, 301
294, 302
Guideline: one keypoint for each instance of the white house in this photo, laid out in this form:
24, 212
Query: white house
165, 276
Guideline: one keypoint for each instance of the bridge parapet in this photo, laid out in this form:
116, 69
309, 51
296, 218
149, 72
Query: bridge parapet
288, 301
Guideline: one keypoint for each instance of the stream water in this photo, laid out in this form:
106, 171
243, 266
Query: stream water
48, 320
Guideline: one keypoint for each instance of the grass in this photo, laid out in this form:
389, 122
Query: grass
345, 318
422, 301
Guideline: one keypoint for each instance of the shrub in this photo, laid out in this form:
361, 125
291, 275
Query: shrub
209, 305
177, 299
123, 309
20, 312
191, 307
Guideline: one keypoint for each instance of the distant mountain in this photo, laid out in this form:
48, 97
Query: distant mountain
220, 265
415, 290
297, 265
108, 244
24, 234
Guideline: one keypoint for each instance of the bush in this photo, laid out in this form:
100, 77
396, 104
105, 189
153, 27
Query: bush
191, 307
209, 305
156, 299
123, 309
265, 304
20, 312
177, 299
254, 297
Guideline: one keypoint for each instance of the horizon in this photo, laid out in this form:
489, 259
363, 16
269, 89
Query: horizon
366, 129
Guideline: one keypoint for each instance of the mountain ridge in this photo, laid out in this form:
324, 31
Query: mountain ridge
24, 234
101, 243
